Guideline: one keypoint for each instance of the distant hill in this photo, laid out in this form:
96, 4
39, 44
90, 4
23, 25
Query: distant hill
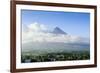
57, 30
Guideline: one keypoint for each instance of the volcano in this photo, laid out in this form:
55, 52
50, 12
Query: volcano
57, 30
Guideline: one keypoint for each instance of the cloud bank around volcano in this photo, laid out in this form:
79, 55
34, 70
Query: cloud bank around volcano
36, 32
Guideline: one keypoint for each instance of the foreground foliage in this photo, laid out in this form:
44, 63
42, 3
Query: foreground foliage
62, 56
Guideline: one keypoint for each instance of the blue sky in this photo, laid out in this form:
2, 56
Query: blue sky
73, 23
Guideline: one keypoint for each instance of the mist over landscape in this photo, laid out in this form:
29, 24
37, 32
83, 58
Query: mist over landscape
38, 39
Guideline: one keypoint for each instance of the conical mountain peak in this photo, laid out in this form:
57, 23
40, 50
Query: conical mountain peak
57, 30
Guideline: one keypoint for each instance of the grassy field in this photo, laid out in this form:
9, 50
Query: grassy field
27, 57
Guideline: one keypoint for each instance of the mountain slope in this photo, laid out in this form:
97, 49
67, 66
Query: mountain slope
57, 30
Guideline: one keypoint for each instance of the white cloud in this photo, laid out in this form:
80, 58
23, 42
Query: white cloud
36, 27
36, 33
